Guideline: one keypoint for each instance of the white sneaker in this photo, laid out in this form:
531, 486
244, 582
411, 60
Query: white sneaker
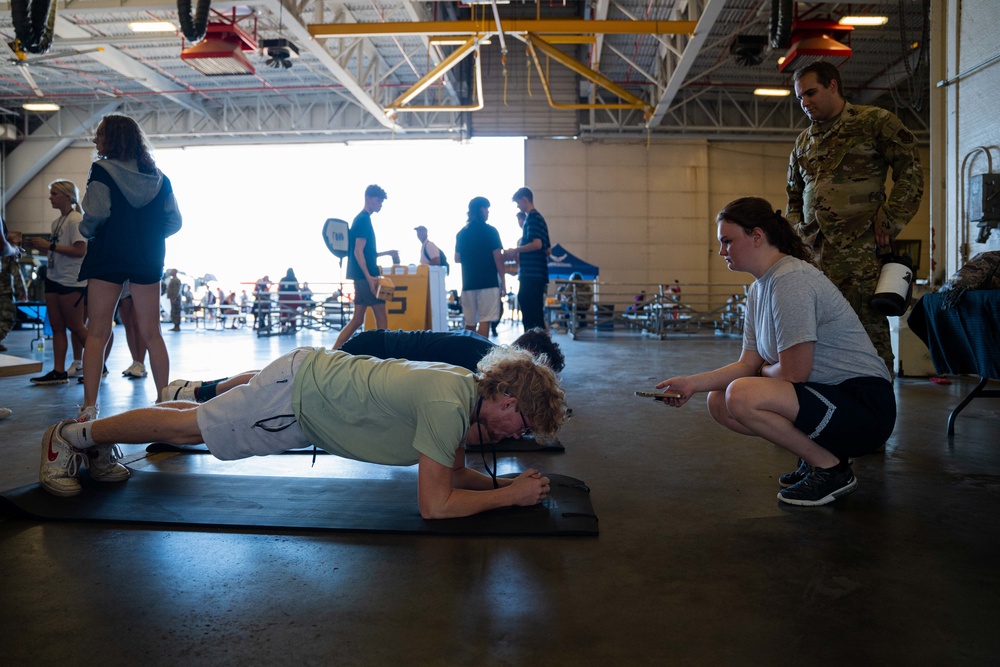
60, 463
5, 412
186, 383
76, 369
86, 414
102, 460
135, 371
178, 392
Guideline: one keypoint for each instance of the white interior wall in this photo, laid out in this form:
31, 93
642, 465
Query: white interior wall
970, 113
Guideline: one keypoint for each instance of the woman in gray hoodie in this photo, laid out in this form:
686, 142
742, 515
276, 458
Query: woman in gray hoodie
129, 210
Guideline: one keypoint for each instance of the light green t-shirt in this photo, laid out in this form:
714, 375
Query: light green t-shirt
383, 411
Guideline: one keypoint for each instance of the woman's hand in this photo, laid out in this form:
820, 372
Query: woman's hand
678, 385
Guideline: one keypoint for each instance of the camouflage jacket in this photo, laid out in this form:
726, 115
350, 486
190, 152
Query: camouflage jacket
11, 280
836, 177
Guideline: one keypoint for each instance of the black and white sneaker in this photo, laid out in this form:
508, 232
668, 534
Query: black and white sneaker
820, 486
52, 377
796, 476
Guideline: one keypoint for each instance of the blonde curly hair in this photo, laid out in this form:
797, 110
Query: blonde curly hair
517, 373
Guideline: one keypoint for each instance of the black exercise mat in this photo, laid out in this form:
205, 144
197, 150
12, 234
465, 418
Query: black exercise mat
525, 444
522, 445
357, 505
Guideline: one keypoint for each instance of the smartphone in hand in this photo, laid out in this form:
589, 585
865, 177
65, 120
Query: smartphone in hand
658, 396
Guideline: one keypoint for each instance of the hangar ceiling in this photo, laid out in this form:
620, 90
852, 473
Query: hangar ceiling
611, 68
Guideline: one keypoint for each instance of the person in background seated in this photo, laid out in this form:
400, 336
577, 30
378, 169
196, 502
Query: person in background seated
638, 303
578, 295
809, 379
411, 413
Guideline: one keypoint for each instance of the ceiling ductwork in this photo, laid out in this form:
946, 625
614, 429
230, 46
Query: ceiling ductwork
816, 40
222, 52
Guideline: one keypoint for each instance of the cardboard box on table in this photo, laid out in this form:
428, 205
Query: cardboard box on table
419, 299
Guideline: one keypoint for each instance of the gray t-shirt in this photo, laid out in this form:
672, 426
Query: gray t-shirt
795, 303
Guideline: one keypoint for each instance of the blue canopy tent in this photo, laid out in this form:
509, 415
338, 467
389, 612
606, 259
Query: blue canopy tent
563, 264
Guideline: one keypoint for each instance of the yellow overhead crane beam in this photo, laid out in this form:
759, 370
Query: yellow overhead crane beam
536, 43
535, 26
476, 33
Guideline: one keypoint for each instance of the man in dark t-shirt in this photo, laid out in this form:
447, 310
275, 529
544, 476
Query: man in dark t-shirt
479, 250
362, 265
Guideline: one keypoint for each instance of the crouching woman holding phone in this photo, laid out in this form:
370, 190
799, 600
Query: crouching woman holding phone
808, 378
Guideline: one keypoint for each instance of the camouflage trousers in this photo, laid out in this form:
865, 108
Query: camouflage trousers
855, 270
175, 311
8, 314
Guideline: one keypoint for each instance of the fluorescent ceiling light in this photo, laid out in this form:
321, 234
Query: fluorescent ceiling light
152, 26
40, 106
772, 92
864, 20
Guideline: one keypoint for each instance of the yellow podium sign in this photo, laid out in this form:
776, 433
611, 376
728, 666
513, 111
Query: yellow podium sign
410, 308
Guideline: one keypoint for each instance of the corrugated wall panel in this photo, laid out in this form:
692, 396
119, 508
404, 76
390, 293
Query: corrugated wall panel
525, 114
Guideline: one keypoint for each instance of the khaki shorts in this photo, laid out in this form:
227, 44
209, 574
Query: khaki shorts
481, 305
255, 419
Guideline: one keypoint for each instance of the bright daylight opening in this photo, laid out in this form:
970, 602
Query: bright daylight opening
255, 210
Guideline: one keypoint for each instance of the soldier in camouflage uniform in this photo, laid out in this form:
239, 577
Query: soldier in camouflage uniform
11, 285
836, 189
7, 251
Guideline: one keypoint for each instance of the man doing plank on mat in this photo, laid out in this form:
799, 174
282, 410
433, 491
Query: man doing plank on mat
458, 348
390, 412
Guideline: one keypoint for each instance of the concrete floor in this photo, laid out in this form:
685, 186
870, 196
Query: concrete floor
697, 562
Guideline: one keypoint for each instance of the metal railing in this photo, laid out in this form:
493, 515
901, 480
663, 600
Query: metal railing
582, 306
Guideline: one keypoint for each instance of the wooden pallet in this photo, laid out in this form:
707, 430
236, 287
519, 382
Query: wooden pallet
11, 365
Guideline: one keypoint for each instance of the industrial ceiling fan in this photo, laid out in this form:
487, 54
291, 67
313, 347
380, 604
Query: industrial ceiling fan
11, 54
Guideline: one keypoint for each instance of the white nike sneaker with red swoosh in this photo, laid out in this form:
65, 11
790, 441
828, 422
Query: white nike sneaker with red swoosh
60, 463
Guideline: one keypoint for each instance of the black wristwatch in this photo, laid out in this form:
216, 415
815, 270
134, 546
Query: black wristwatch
52, 247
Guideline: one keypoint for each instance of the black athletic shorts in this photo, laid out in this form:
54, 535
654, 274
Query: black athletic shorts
133, 278
52, 287
852, 418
